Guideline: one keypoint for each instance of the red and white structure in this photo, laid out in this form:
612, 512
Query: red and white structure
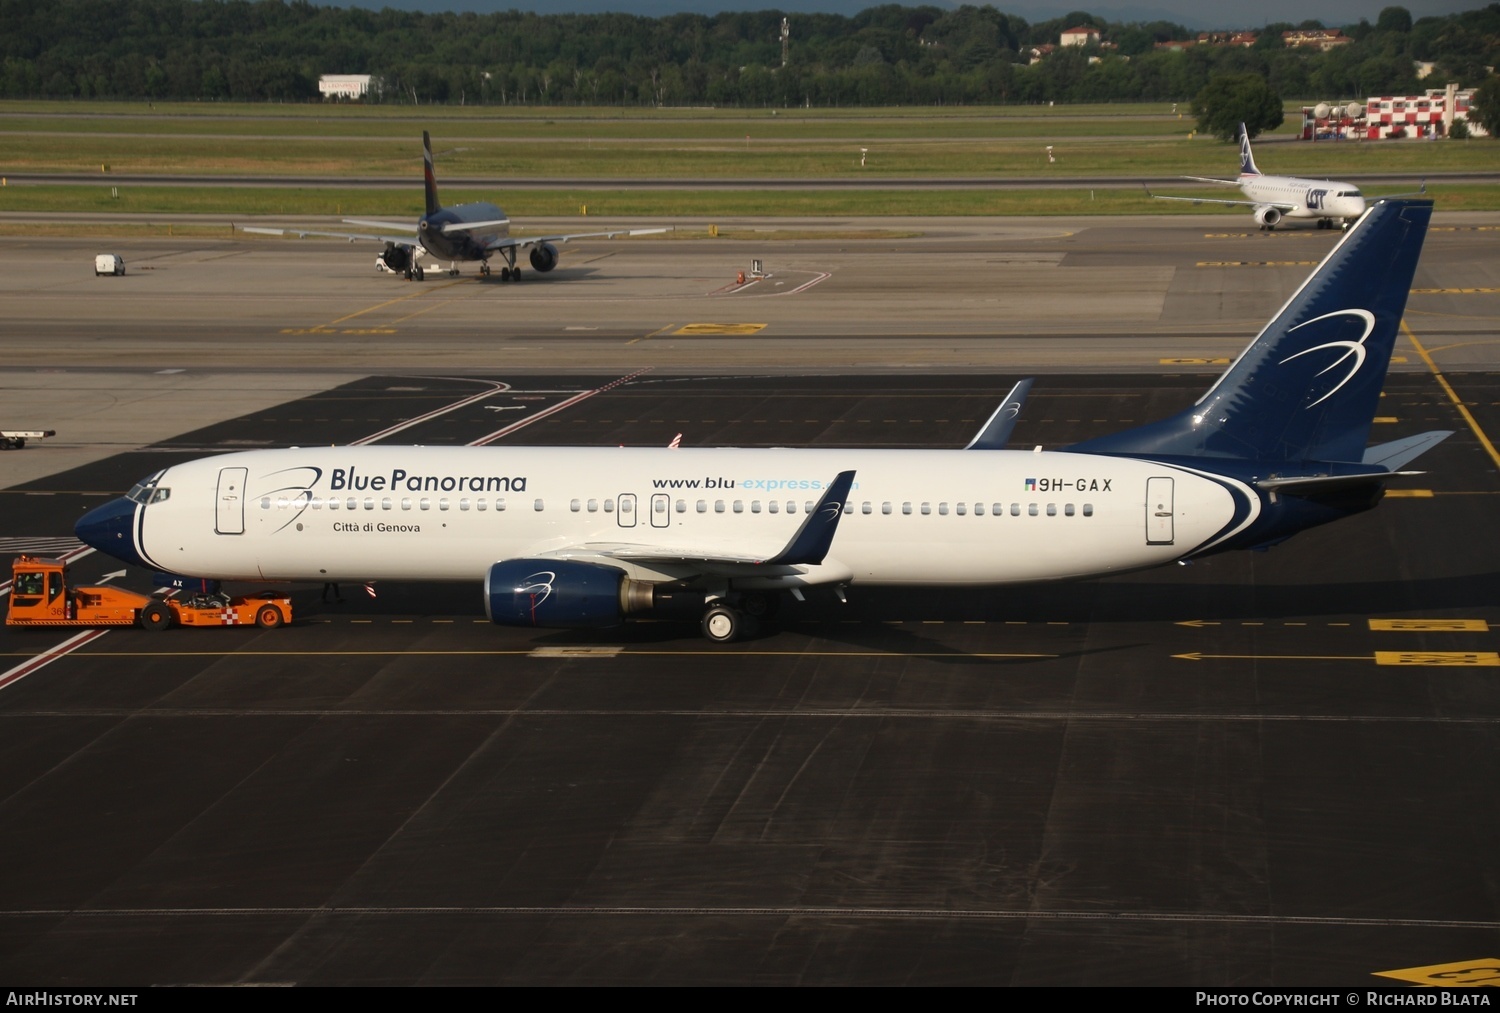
1392, 117
1419, 116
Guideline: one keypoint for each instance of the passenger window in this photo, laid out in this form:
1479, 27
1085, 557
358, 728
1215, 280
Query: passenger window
405, 503
1088, 510
773, 507
536, 505
351, 503
926, 509
333, 504
960, 509
500, 503
998, 509
609, 506
885, 508
943, 509
755, 506
281, 503
575, 505
718, 506
864, 508
702, 506
739, 506
1051, 509
593, 506
442, 504
481, 505
1015, 509
681, 506
906, 508
791, 506
1031, 509
1068, 510
463, 504
265, 503
369, 502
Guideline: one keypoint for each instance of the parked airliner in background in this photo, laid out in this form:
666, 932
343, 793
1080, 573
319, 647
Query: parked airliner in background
1278, 197
589, 536
463, 232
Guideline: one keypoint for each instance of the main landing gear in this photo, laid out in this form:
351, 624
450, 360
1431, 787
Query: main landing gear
508, 272
725, 622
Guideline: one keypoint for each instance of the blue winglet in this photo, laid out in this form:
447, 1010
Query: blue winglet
812, 540
995, 433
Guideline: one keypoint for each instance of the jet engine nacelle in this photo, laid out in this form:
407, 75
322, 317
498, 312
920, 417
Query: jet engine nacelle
1267, 217
396, 258
560, 593
544, 257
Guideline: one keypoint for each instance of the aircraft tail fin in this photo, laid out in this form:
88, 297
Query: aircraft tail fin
1307, 387
1247, 160
433, 204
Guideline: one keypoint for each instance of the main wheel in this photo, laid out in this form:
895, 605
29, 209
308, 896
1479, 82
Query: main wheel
505, 274
417, 273
761, 604
155, 616
268, 617
722, 624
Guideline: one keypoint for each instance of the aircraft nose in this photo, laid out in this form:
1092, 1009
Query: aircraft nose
110, 528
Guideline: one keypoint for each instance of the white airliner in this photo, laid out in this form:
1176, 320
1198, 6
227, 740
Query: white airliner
475, 231
1277, 197
590, 536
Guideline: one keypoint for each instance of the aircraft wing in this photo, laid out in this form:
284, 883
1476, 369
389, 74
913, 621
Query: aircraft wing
1216, 200
409, 239
522, 243
1212, 179
808, 546
1278, 205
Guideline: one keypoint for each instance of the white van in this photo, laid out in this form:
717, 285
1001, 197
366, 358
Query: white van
108, 263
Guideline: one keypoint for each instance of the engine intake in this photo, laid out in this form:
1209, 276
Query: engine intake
396, 258
561, 594
1267, 216
544, 257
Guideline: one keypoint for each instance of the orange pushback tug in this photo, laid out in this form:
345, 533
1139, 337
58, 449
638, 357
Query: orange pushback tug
40, 596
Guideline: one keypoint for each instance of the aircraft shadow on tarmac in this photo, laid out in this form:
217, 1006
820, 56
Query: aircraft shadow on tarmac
868, 618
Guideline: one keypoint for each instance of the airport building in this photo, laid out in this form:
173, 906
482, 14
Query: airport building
336, 86
1392, 117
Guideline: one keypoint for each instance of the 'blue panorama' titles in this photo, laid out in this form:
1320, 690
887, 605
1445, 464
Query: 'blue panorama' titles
402, 480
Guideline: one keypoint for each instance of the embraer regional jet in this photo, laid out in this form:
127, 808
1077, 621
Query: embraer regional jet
1278, 197
591, 536
463, 232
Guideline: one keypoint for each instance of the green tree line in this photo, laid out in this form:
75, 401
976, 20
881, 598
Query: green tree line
271, 50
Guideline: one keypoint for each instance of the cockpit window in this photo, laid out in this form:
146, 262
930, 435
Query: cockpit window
1350, 193
160, 495
142, 491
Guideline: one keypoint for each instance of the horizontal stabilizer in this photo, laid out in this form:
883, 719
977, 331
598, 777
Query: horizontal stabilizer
1398, 452
472, 226
370, 223
1321, 484
995, 433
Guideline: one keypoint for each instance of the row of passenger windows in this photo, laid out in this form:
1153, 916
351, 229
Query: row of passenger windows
660, 506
